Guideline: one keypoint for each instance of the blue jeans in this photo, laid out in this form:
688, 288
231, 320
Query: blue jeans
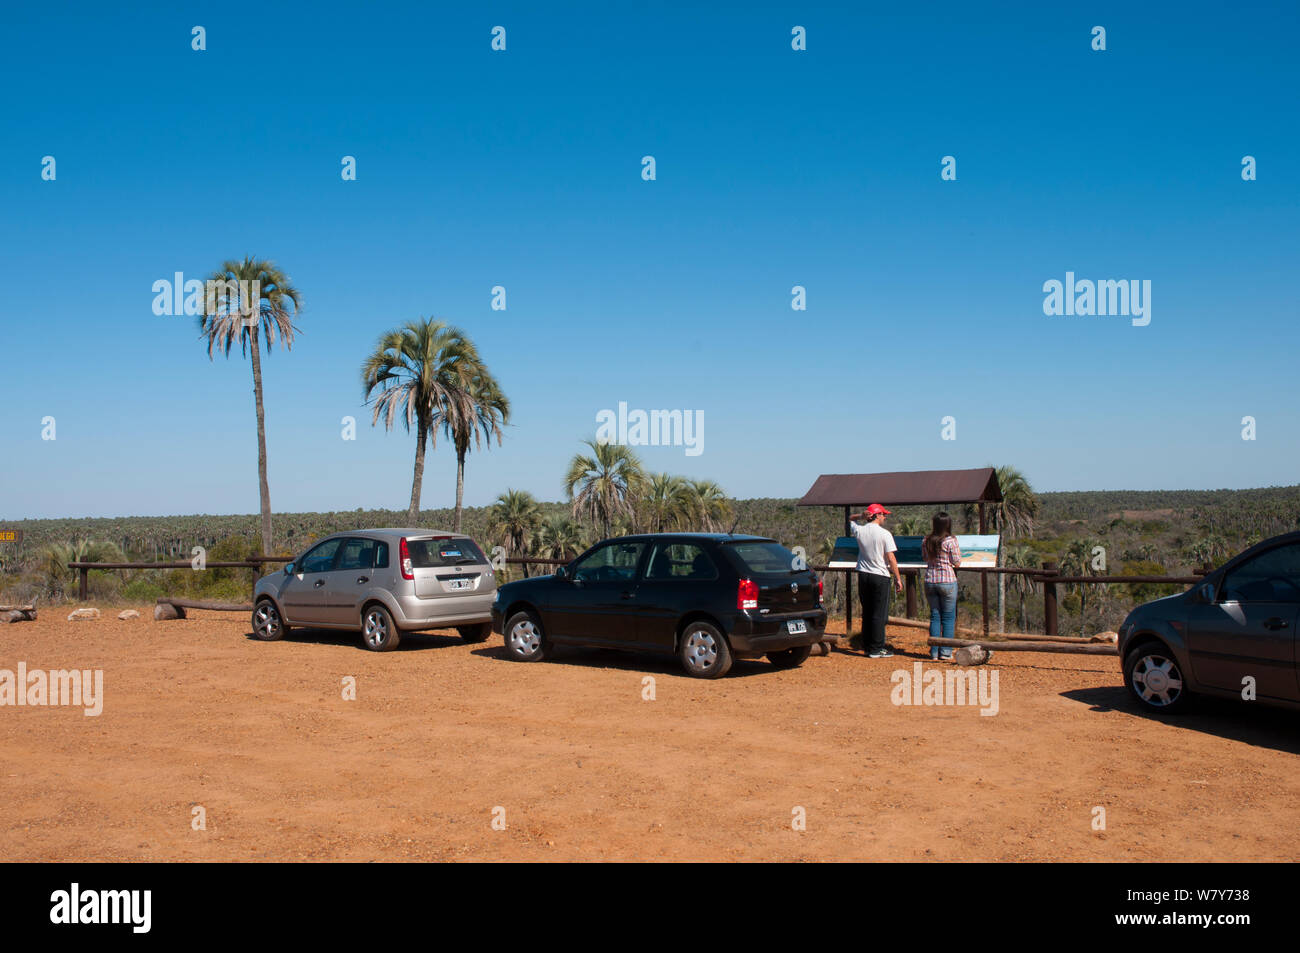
942, 597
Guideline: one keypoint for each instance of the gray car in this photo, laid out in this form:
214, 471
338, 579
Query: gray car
381, 582
1232, 635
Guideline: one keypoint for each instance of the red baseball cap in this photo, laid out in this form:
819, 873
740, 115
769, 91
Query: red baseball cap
876, 509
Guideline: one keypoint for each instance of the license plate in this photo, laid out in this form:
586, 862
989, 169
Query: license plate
796, 627
459, 584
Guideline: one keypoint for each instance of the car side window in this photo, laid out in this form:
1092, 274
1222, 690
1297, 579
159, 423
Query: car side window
675, 562
613, 562
320, 558
381, 555
1272, 576
356, 554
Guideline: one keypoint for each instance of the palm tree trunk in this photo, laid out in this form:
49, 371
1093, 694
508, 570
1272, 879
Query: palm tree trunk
264, 491
421, 437
460, 485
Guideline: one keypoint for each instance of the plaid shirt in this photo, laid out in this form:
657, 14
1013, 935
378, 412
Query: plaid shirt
940, 568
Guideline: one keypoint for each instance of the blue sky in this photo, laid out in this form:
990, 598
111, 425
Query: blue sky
775, 168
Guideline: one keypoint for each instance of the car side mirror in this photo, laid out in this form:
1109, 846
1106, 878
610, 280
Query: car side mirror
561, 572
1203, 594
288, 569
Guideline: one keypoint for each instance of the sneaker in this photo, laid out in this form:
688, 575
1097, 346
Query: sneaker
880, 653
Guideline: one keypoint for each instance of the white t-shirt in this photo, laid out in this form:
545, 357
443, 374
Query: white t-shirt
873, 542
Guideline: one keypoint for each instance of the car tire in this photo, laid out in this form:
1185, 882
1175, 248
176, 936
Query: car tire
378, 632
703, 651
790, 658
1156, 680
525, 638
475, 633
268, 624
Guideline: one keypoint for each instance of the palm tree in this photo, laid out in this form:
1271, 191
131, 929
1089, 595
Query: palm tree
1077, 561
1208, 550
426, 372
911, 526
708, 505
55, 578
235, 292
489, 409
664, 504
560, 537
607, 483
513, 519
1013, 517
1019, 557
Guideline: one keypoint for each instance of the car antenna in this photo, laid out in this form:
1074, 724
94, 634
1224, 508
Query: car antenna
732, 531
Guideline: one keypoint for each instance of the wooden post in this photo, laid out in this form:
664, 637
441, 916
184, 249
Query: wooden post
984, 583
1049, 601
82, 584
848, 588
909, 586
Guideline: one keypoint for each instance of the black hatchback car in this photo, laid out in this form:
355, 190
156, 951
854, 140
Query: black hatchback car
1233, 634
709, 598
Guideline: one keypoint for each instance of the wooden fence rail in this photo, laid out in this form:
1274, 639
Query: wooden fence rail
1047, 577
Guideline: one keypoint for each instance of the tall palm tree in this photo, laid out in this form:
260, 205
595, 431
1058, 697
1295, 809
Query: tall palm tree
425, 371
513, 519
489, 409
1013, 518
560, 537
246, 300
664, 504
607, 483
708, 505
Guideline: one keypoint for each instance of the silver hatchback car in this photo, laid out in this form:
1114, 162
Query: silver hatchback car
382, 582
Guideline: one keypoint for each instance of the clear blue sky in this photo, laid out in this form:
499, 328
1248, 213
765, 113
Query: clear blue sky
775, 168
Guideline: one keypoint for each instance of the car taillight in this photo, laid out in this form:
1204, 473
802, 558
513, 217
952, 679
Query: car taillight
404, 555
820, 587
747, 594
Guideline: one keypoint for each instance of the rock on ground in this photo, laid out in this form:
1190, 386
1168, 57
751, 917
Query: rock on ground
81, 615
128, 614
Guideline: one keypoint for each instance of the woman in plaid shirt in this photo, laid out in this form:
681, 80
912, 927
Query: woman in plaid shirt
942, 556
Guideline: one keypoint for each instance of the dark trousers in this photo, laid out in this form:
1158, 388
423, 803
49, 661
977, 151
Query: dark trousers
874, 592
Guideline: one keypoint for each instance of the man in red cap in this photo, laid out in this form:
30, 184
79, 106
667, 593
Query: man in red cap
876, 563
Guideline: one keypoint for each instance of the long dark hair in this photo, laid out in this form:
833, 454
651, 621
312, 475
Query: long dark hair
940, 529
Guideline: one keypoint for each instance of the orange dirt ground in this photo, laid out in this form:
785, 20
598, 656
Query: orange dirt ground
196, 712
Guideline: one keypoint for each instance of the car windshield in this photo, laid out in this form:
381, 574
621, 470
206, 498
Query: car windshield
765, 558
448, 551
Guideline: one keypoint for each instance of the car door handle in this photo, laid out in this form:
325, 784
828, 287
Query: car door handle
1276, 623
318, 583
363, 579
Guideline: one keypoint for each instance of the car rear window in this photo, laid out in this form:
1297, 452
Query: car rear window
764, 558
436, 553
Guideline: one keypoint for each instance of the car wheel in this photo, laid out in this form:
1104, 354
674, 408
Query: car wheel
1153, 676
525, 640
475, 633
267, 624
790, 658
704, 652
378, 632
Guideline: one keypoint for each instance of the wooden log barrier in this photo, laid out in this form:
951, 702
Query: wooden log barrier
1099, 648
1015, 636
169, 608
